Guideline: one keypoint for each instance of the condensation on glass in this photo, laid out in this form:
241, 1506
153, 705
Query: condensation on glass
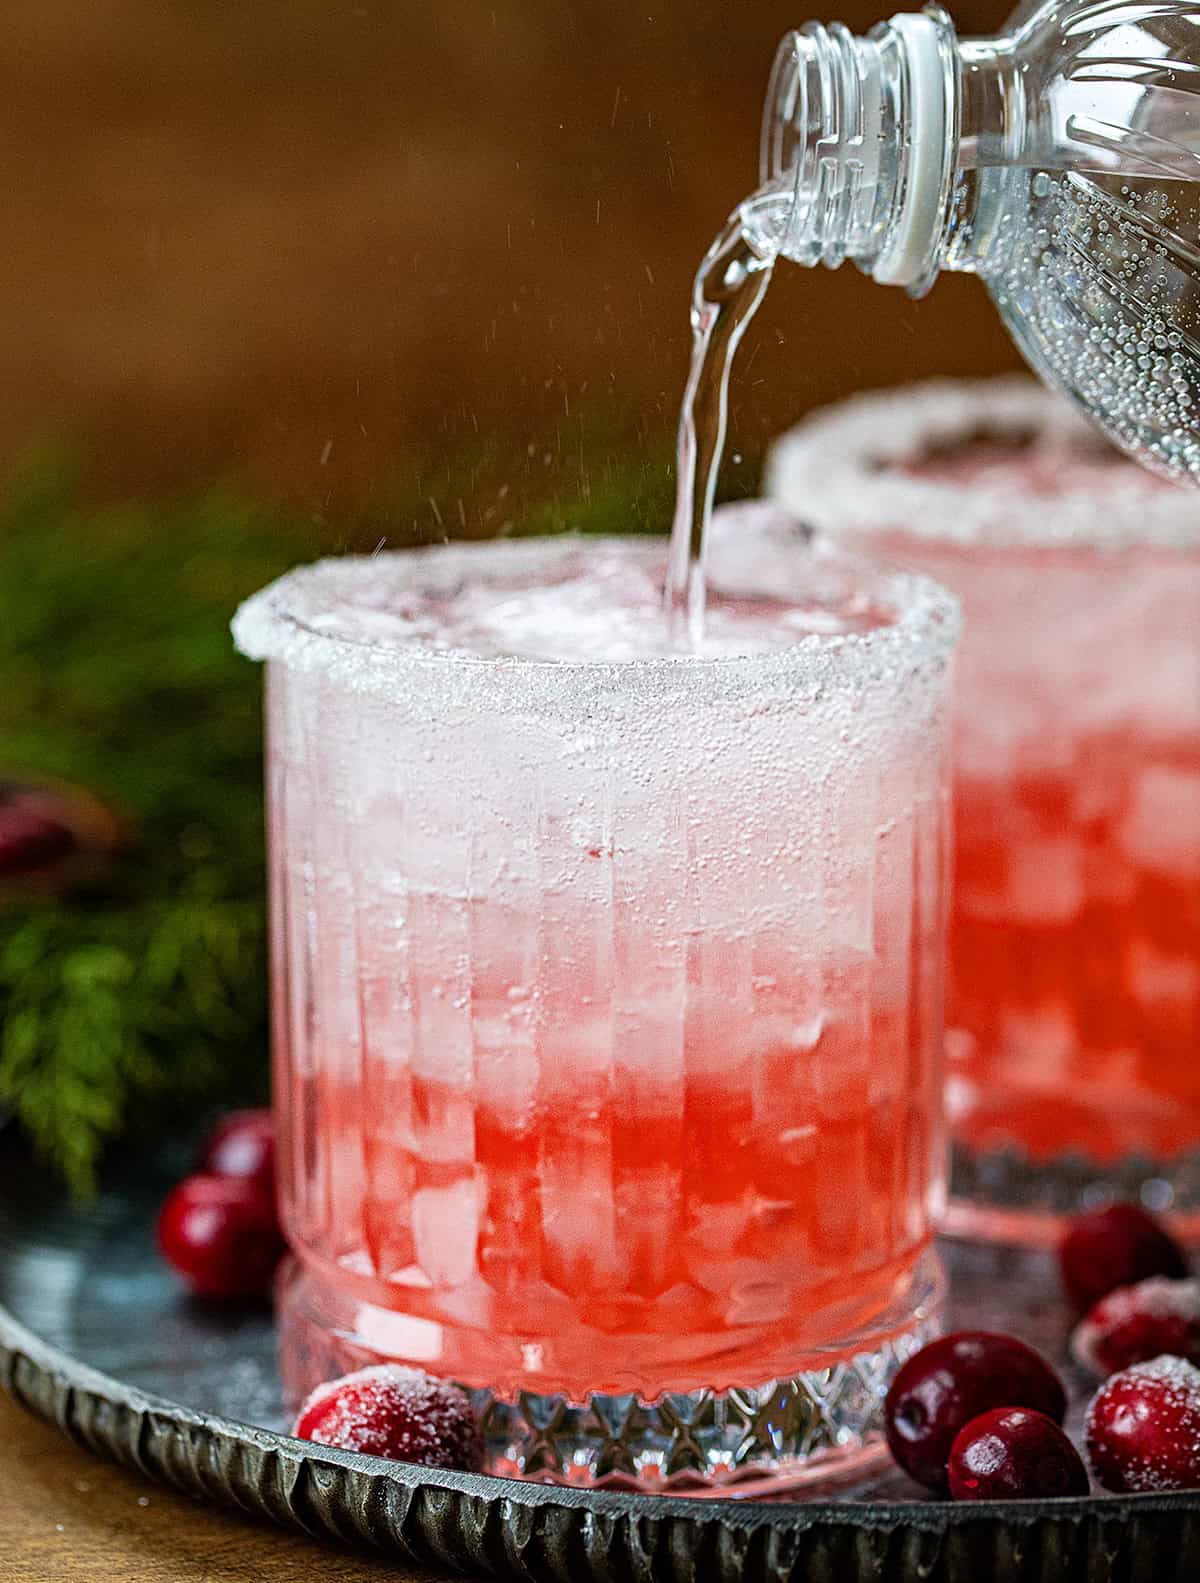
607, 1008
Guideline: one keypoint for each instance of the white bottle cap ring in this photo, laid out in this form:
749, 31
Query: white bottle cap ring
905, 258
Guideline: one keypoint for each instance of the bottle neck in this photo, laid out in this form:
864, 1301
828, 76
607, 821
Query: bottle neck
873, 148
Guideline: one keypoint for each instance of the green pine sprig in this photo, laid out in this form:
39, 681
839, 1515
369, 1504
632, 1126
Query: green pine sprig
146, 994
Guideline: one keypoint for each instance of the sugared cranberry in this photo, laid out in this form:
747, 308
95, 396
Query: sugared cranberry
221, 1236
1137, 1323
1013, 1453
1143, 1428
243, 1145
953, 1380
1117, 1246
391, 1411
30, 840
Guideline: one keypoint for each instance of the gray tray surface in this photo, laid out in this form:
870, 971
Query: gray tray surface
96, 1336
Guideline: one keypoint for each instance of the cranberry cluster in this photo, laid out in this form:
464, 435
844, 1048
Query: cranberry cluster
219, 1228
975, 1415
976, 1401
1141, 1330
979, 1415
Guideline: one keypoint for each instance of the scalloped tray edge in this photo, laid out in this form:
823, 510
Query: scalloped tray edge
537, 1531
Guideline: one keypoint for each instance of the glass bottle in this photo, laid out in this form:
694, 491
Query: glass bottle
1059, 161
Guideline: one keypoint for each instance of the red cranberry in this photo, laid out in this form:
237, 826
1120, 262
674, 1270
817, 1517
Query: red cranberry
1013, 1453
391, 1411
30, 840
953, 1380
1117, 1246
52, 836
243, 1145
1137, 1323
221, 1235
1143, 1428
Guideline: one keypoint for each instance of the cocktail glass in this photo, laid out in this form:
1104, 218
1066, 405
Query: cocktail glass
607, 1001
1074, 987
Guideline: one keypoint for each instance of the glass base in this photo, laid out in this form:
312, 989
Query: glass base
1005, 1196
818, 1425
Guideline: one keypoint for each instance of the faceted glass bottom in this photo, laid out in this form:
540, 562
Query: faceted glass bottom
1005, 1196
818, 1424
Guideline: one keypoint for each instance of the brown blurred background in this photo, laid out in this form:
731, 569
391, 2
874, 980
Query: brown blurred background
308, 245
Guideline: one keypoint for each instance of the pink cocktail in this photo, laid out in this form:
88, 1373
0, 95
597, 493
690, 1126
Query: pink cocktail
1073, 1012
607, 995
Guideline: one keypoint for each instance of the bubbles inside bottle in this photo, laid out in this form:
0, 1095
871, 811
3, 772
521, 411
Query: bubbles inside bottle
1100, 286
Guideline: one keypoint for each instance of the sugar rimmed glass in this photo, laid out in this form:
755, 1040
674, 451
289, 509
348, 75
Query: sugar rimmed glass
1074, 998
607, 1013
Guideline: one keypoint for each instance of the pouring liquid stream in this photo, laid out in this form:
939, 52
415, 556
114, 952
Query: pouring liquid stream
727, 291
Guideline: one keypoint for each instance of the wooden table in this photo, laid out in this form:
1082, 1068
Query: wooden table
66, 1517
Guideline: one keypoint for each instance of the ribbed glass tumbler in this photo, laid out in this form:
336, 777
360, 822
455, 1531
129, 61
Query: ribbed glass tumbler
1073, 1008
607, 1015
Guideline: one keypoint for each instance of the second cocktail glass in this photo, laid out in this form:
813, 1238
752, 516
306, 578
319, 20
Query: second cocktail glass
608, 996
1073, 1009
